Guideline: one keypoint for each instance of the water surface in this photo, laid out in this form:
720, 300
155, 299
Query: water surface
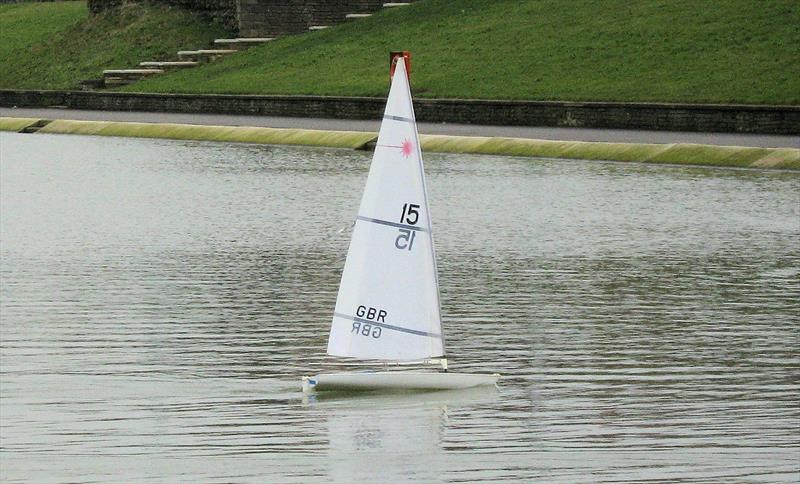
160, 300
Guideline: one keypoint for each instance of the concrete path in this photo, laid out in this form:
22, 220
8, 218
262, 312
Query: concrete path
564, 134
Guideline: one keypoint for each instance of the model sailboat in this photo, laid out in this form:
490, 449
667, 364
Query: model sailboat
388, 303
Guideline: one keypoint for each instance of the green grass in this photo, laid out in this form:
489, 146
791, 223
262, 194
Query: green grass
54, 45
731, 51
23, 25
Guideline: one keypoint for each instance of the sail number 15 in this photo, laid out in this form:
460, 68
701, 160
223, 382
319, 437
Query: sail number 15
410, 216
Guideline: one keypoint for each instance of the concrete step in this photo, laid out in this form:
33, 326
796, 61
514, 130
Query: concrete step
355, 16
204, 55
168, 64
188, 54
131, 72
119, 77
318, 27
396, 4
242, 43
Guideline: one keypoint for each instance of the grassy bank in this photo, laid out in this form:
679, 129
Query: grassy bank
676, 153
54, 45
733, 51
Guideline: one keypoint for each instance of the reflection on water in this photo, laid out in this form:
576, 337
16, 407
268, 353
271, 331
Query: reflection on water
160, 300
363, 430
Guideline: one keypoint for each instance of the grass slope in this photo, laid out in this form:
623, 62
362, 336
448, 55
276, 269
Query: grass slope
54, 45
736, 51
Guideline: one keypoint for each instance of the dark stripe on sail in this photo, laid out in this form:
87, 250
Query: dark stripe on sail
388, 326
398, 118
391, 224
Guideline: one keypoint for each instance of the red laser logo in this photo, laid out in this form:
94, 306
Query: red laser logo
406, 148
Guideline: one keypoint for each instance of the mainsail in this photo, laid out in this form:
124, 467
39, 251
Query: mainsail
388, 303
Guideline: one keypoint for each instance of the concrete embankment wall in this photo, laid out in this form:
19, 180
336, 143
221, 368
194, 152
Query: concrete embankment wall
677, 153
652, 116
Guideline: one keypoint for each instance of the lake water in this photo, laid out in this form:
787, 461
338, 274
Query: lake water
161, 300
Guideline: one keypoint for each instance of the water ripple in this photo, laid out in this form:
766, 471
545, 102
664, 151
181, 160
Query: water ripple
159, 301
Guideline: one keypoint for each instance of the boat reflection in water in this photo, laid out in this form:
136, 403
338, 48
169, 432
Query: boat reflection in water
373, 437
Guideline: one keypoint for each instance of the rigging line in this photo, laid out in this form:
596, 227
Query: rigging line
388, 326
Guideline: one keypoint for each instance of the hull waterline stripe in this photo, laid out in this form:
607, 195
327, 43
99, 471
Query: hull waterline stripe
391, 224
398, 118
387, 326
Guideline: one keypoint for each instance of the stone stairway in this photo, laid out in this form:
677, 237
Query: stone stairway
187, 59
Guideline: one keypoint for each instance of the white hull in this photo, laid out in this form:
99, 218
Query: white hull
396, 380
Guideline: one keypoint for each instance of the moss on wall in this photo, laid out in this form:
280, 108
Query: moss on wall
677, 153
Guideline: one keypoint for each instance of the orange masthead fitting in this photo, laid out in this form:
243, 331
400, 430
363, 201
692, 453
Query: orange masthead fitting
394, 57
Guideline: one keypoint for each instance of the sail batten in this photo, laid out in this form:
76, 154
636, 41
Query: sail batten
392, 224
389, 292
392, 327
398, 118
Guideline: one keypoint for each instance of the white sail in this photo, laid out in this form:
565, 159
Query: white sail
388, 303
